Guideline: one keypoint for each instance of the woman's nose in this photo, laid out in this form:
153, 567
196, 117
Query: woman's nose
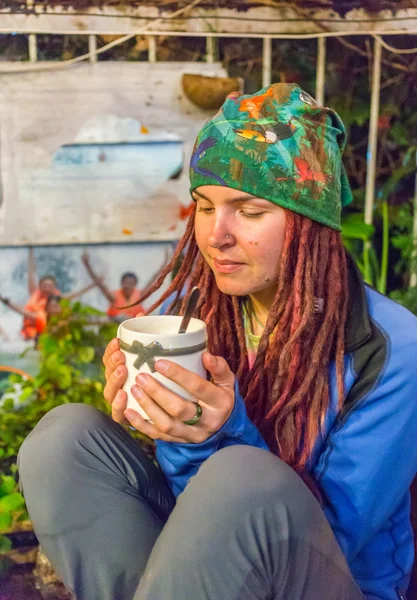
221, 236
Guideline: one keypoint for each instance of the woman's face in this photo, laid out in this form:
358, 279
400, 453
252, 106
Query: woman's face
47, 286
241, 237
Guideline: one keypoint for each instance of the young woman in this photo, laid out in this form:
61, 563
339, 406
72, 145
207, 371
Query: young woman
312, 377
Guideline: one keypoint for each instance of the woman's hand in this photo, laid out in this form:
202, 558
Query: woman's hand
116, 374
168, 411
165, 408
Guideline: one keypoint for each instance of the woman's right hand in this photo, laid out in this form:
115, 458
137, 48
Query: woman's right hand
116, 374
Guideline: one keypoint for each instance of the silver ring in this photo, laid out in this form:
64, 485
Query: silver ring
197, 416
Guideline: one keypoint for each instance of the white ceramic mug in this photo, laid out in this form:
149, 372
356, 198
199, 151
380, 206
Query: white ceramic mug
144, 340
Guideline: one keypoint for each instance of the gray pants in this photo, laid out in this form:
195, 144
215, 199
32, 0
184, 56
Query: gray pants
245, 528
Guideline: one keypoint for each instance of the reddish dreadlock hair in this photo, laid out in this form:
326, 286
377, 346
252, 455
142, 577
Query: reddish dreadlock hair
287, 390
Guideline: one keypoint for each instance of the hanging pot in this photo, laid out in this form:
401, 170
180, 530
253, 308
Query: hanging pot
209, 93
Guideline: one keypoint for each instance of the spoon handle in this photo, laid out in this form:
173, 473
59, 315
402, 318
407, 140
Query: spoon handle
189, 309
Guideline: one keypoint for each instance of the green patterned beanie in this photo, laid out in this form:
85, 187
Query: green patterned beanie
278, 144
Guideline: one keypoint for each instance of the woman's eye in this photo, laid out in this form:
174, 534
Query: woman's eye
252, 215
204, 210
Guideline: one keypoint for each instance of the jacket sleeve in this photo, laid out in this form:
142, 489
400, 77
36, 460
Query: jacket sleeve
179, 462
370, 458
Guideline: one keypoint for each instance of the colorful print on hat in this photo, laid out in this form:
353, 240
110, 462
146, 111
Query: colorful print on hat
278, 144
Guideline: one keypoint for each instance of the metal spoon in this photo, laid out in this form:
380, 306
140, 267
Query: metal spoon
189, 309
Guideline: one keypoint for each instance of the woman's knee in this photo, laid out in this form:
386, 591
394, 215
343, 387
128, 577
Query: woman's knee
250, 470
244, 478
241, 495
56, 435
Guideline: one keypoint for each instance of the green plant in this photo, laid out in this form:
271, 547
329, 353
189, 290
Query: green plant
358, 236
404, 241
12, 509
70, 371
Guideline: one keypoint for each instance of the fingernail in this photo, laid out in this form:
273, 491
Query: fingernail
137, 391
162, 366
142, 379
209, 357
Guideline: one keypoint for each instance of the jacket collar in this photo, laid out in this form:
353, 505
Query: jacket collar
358, 325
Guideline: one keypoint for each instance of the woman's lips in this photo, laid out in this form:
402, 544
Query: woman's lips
226, 266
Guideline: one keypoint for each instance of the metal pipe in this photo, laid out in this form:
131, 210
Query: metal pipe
266, 61
321, 70
33, 48
373, 134
152, 49
92, 47
210, 48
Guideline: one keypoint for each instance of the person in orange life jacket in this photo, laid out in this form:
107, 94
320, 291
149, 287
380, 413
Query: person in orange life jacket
36, 320
127, 294
39, 294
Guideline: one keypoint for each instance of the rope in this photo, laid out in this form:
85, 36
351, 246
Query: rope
392, 49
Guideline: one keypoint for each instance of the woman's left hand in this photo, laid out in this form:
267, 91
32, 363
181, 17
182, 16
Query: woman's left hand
168, 411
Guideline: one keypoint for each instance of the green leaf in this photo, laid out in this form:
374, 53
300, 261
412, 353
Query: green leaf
26, 393
23, 517
64, 378
12, 502
392, 182
49, 344
86, 354
389, 109
400, 134
5, 521
5, 544
8, 404
52, 362
353, 227
7, 485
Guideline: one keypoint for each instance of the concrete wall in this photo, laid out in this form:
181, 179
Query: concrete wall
132, 201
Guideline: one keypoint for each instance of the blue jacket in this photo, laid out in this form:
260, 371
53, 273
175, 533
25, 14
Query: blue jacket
366, 458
